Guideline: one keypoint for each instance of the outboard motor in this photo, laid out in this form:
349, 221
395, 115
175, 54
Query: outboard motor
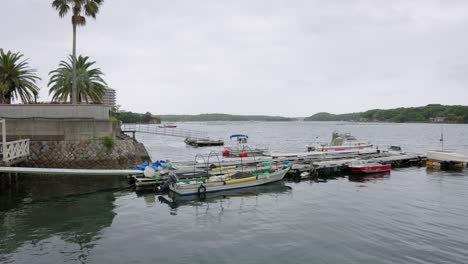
172, 179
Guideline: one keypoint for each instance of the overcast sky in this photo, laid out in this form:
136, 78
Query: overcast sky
290, 58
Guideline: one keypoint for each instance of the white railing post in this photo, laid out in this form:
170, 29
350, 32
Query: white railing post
2, 122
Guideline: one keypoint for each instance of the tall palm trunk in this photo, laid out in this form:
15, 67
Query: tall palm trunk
74, 91
5, 98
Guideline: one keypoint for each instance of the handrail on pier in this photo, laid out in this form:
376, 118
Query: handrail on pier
174, 132
11, 151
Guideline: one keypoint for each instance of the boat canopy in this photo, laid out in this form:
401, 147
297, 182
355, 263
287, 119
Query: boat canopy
239, 136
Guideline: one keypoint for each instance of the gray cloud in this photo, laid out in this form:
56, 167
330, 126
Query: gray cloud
289, 58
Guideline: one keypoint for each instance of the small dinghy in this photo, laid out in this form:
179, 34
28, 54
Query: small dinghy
232, 181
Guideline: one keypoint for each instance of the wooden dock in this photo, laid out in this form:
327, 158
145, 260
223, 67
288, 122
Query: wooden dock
333, 166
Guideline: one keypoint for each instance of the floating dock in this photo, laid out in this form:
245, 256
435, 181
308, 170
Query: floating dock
203, 142
333, 166
444, 160
301, 167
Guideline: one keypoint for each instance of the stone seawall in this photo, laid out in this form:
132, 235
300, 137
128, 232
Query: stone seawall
86, 154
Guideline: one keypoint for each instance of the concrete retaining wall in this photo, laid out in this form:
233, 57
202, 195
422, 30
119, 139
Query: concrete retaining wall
97, 112
62, 129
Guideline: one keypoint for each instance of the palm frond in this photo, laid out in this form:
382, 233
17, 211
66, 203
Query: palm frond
89, 82
18, 80
62, 6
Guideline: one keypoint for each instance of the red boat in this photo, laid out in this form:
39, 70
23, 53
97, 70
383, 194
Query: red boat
369, 167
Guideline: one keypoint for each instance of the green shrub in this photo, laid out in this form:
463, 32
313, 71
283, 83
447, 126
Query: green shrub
108, 142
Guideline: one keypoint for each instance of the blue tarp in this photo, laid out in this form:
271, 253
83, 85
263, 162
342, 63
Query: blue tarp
145, 164
141, 166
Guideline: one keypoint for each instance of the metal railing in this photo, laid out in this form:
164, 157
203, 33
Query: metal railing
155, 129
12, 150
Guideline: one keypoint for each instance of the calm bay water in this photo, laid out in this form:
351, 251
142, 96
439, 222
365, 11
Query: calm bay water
411, 216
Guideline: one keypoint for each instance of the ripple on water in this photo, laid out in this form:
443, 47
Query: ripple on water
411, 216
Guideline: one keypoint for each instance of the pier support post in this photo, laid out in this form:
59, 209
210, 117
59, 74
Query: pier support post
9, 180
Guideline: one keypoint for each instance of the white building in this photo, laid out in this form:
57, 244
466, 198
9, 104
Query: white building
109, 97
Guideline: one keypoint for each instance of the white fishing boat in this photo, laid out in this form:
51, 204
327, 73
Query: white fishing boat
341, 142
242, 149
322, 154
238, 180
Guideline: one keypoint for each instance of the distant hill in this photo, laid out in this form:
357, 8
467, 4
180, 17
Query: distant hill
323, 116
222, 117
428, 113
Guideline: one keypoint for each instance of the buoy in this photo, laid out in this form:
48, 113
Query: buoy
243, 154
226, 153
149, 172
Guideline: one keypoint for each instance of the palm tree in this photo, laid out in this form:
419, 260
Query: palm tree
80, 9
90, 84
17, 79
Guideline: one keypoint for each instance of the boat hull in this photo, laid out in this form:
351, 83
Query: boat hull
232, 185
370, 169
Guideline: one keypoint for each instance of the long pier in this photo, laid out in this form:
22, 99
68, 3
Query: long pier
334, 166
173, 132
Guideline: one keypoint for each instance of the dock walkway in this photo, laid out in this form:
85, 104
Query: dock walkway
53, 171
173, 132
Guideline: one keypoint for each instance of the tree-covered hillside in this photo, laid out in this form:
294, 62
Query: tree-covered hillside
428, 113
130, 117
222, 117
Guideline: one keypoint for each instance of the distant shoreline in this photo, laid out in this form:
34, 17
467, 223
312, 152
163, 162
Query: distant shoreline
432, 114
302, 121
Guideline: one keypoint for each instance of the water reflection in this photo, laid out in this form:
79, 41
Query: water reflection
438, 173
77, 220
174, 201
368, 177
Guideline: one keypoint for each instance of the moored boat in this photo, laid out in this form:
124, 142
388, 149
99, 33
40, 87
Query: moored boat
341, 142
242, 150
368, 167
238, 180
